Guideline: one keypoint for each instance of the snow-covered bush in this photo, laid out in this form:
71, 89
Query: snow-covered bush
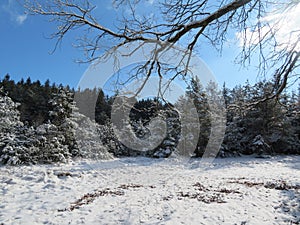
260, 146
88, 140
111, 142
18, 143
169, 143
80, 135
12, 150
50, 145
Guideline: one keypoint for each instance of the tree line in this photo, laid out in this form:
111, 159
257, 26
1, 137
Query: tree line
40, 123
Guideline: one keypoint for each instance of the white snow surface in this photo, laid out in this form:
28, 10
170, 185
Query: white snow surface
243, 190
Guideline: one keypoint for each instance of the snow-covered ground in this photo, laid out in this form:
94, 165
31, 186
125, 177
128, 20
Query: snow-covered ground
146, 191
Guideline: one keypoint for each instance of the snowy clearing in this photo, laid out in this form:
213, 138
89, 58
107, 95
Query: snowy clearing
243, 190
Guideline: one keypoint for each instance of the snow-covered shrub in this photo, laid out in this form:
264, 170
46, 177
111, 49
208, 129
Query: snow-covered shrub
169, 143
260, 146
88, 140
50, 144
80, 136
110, 140
14, 147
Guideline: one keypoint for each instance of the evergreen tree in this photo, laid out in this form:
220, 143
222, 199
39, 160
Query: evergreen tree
62, 105
200, 99
51, 144
80, 134
264, 128
15, 143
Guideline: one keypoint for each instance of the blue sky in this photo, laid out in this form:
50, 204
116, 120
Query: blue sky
25, 50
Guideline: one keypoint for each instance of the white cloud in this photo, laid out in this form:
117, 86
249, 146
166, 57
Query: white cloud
150, 2
13, 9
285, 24
21, 18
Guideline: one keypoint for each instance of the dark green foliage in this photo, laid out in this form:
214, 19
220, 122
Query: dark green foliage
268, 127
34, 99
93, 104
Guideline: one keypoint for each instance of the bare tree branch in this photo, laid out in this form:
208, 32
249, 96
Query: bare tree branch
185, 22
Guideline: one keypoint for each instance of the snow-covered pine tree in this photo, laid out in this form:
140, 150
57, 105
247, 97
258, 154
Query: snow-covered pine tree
89, 140
235, 136
16, 145
264, 128
295, 122
189, 126
51, 144
200, 99
62, 105
74, 130
289, 141
110, 140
